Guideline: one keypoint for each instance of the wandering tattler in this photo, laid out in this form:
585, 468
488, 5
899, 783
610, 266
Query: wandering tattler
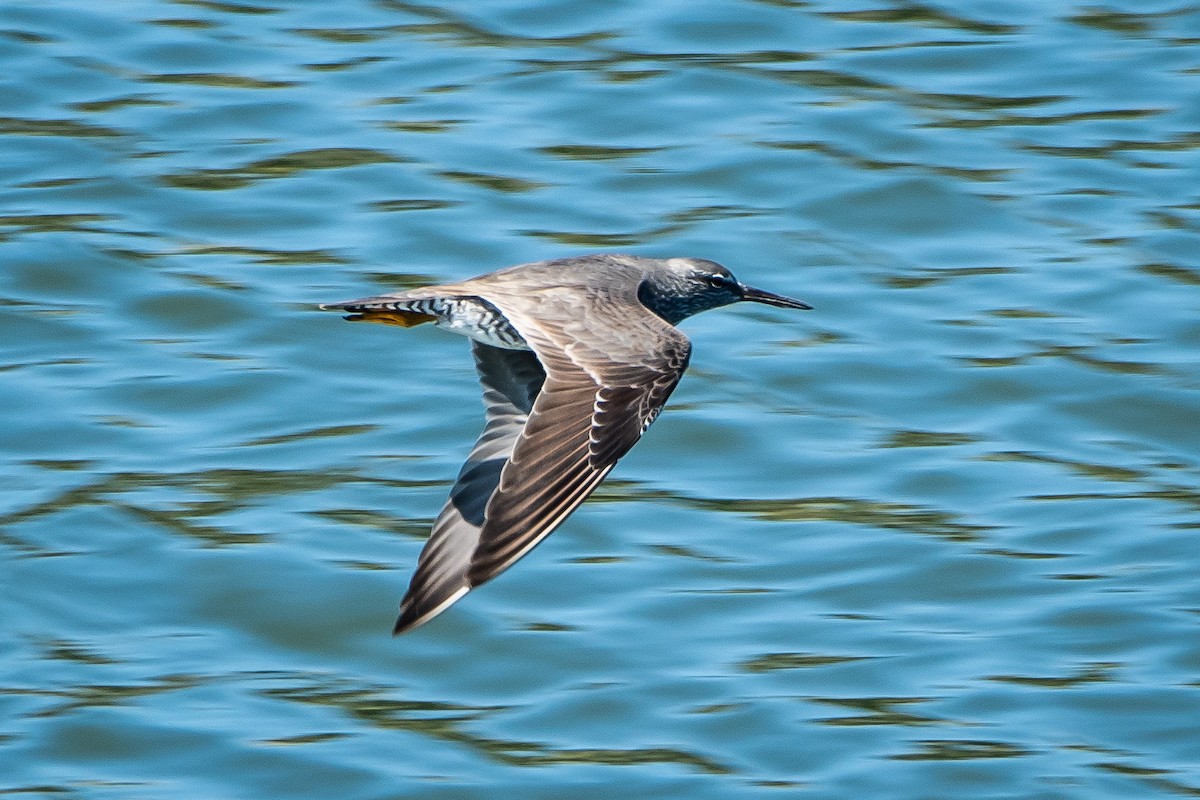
576, 357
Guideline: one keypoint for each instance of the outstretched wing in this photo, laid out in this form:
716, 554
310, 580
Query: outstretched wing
609, 366
511, 379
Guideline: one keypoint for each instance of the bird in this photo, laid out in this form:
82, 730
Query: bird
576, 357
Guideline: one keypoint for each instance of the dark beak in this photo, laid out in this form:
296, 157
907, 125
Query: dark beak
759, 296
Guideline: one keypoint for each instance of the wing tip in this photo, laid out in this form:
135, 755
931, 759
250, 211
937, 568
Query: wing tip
411, 615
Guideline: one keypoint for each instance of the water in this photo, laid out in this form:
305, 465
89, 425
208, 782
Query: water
935, 538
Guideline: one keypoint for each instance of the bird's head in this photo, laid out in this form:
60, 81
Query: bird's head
676, 288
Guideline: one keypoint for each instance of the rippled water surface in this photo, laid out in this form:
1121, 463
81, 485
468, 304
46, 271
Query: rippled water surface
935, 539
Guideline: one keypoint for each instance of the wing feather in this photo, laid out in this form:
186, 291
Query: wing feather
511, 380
559, 418
607, 378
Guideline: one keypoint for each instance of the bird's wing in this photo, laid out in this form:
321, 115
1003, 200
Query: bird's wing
609, 366
511, 379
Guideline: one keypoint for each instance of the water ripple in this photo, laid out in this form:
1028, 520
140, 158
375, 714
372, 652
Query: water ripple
452, 723
935, 538
278, 167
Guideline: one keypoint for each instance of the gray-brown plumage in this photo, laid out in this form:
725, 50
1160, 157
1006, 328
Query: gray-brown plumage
576, 358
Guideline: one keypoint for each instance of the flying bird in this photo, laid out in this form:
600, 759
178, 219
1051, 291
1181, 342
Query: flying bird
576, 357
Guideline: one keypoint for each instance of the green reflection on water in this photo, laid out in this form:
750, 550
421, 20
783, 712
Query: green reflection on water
348, 64
54, 223
189, 22
378, 520
900, 516
860, 511
771, 662
328, 431
222, 491
927, 439
309, 738
498, 183
626, 66
264, 255
413, 204
424, 125
581, 239
933, 277
920, 15
1150, 776
1108, 472
104, 695
451, 722
18, 126
1156, 489
1174, 272
181, 523
1013, 120
673, 223
345, 35
218, 79
1122, 22
78, 652
584, 152
1168, 144
853, 159
680, 551
1101, 672
453, 29
229, 8
961, 749
278, 167
879, 711
117, 103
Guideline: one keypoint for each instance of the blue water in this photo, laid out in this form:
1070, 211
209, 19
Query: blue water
936, 538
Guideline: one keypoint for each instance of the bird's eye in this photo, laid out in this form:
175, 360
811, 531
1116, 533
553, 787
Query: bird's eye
716, 281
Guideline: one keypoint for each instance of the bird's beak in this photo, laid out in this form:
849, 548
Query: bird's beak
759, 296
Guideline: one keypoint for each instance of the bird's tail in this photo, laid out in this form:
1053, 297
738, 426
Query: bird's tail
405, 319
